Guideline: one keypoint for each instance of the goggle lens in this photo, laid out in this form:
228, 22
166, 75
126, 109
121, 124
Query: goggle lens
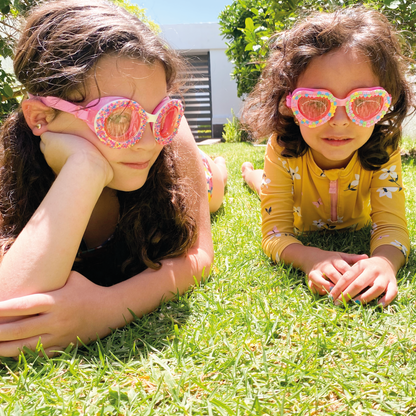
119, 122
314, 108
168, 122
367, 107
122, 124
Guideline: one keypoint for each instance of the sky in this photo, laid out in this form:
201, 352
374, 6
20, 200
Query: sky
169, 12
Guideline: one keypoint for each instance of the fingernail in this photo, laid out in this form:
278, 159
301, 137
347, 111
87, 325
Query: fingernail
358, 302
331, 299
330, 288
383, 303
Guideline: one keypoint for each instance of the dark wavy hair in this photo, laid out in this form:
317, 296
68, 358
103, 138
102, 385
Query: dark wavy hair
60, 45
353, 28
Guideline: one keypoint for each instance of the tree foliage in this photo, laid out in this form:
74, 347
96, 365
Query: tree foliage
247, 26
10, 14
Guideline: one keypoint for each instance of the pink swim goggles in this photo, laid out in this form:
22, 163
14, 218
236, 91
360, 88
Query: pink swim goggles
119, 122
314, 107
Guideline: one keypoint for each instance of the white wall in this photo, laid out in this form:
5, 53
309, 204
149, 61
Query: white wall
202, 37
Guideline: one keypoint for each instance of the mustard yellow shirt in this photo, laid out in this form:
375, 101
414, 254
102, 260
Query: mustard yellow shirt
298, 196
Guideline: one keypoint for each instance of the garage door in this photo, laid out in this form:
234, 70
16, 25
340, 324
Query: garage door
197, 96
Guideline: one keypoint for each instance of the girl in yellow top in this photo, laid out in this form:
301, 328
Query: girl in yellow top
332, 98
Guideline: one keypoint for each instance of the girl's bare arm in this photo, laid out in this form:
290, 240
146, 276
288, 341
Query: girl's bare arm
42, 256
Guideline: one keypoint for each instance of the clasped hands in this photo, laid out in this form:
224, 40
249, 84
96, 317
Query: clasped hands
353, 277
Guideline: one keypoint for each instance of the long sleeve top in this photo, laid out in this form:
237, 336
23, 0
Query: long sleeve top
298, 196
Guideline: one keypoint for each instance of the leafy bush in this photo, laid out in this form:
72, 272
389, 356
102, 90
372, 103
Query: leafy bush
233, 131
247, 26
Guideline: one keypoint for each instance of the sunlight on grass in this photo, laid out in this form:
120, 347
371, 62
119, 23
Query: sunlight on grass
251, 340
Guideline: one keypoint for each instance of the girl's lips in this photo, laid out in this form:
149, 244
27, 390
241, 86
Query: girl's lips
138, 166
337, 141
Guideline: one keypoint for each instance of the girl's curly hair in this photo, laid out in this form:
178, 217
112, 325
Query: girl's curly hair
60, 46
354, 28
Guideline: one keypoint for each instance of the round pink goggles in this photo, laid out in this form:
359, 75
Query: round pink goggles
314, 107
119, 122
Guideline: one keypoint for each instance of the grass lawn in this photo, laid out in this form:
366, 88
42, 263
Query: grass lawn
251, 340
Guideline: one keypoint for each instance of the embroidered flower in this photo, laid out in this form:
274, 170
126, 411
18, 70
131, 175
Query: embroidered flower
265, 181
400, 246
296, 210
319, 223
386, 191
353, 185
389, 172
294, 173
374, 228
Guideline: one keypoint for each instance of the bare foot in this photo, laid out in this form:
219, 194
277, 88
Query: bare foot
220, 162
245, 168
252, 177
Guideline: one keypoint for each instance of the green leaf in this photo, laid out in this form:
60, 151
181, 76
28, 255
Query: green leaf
8, 90
249, 47
249, 24
4, 4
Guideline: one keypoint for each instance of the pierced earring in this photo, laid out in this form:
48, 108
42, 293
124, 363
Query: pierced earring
38, 126
296, 121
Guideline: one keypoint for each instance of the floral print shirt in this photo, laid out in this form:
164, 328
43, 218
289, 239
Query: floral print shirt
298, 196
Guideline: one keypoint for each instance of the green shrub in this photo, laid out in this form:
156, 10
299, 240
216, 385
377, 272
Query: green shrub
233, 131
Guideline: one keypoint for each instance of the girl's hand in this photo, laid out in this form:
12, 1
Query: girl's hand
79, 309
328, 268
59, 147
375, 273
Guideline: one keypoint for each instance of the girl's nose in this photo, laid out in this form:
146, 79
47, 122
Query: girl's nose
340, 118
147, 141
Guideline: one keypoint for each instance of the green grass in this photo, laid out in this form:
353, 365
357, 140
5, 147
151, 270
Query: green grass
251, 340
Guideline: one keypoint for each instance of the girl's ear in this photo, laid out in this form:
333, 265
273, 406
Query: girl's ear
37, 115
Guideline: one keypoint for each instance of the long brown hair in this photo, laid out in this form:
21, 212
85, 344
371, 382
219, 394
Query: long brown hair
352, 28
60, 45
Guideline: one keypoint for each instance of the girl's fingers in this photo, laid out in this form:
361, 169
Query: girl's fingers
391, 293
342, 267
370, 294
344, 282
26, 305
320, 284
23, 329
14, 348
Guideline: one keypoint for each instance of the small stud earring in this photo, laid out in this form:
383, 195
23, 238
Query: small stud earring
296, 121
38, 126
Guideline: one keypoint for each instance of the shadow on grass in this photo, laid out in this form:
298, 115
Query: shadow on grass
220, 212
150, 333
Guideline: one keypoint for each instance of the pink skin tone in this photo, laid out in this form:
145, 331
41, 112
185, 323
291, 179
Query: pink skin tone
333, 145
48, 299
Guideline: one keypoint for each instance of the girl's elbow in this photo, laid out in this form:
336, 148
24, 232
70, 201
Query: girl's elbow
201, 260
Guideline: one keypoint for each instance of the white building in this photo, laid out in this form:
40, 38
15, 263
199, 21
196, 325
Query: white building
214, 94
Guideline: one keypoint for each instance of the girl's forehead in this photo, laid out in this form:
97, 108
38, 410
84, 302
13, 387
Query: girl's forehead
126, 77
340, 72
